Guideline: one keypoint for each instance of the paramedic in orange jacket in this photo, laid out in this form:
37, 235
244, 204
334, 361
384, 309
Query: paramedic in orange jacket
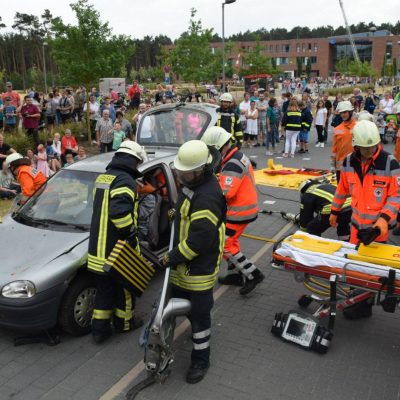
371, 176
236, 178
29, 178
342, 136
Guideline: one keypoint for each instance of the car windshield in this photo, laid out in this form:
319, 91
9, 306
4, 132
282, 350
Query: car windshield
65, 202
172, 127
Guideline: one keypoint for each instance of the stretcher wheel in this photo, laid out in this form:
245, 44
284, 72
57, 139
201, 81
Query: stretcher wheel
304, 301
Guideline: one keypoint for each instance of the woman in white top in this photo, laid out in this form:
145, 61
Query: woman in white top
386, 105
57, 144
250, 134
319, 122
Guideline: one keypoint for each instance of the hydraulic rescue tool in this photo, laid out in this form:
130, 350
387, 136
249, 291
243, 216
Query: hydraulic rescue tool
158, 335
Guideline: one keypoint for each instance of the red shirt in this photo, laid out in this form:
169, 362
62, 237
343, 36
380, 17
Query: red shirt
133, 91
68, 143
15, 99
30, 122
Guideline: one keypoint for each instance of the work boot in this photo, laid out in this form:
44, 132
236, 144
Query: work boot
99, 338
135, 323
250, 284
235, 279
359, 310
196, 373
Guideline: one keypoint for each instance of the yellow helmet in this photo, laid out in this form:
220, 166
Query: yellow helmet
216, 137
344, 106
366, 134
192, 155
365, 116
132, 148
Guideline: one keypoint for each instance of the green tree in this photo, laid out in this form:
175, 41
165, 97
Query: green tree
299, 63
308, 67
88, 51
257, 63
191, 58
394, 67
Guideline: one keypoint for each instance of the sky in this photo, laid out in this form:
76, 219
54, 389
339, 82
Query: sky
138, 18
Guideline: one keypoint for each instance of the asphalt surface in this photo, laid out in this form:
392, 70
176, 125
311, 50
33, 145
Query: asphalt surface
247, 361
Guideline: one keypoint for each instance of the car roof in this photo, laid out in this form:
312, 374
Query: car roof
98, 163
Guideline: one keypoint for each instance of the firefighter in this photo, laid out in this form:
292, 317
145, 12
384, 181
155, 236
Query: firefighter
342, 136
236, 178
28, 177
371, 177
114, 217
199, 235
229, 120
316, 198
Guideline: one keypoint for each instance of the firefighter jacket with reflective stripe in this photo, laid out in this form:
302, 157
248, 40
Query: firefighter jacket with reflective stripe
239, 188
30, 179
342, 142
318, 199
306, 119
199, 236
230, 121
114, 216
292, 120
373, 187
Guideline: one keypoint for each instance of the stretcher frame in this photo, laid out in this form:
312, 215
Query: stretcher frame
339, 279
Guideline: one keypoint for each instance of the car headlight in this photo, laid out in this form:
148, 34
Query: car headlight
19, 290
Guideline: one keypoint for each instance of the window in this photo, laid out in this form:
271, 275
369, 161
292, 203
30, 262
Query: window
277, 48
388, 53
285, 48
284, 60
298, 47
271, 48
313, 60
309, 46
315, 47
303, 47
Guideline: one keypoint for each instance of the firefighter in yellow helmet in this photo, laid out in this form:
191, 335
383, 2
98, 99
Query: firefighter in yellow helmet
114, 217
199, 236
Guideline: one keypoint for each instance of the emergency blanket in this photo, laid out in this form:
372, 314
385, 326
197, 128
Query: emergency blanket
276, 175
334, 255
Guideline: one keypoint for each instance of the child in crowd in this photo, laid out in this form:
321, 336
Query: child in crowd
306, 121
52, 156
118, 136
41, 161
250, 134
32, 157
10, 116
381, 124
69, 158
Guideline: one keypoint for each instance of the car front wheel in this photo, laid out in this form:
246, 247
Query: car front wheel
77, 305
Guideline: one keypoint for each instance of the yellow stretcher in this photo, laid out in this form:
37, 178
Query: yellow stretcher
287, 181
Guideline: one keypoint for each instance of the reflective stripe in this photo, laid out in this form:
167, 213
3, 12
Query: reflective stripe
103, 186
293, 126
202, 334
102, 314
391, 208
341, 196
123, 222
193, 282
239, 218
336, 205
243, 208
204, 214
201, 346
186, 251
232, 173
95, 263
102, 237
123, 190
326, 209
369, 217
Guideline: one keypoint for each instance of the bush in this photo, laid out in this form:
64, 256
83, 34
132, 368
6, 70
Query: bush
346, 89
19, 142
78, 129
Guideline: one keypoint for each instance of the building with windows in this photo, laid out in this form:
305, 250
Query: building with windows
375, 47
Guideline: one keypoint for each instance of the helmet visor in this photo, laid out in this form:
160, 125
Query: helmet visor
190, 178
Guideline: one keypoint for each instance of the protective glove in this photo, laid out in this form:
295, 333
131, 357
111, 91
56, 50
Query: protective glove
368, 235
333, 220
132, 239
382, 225
171, 214
165, 261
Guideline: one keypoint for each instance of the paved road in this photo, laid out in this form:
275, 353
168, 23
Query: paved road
247, 361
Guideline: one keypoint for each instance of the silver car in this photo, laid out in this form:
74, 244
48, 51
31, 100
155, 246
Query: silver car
43, 276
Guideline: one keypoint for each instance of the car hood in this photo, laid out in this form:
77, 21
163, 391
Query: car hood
26, 249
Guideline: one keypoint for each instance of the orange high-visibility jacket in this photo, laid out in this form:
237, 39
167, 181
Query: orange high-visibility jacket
239, 188
30, 179
342, 141
373, 187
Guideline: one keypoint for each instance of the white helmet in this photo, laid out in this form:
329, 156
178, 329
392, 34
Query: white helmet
226, 97
365, 116
216, 137
12, 158
365, 134
344, 106
132, 148
192, 155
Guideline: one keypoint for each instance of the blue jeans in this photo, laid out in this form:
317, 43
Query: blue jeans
270, 139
